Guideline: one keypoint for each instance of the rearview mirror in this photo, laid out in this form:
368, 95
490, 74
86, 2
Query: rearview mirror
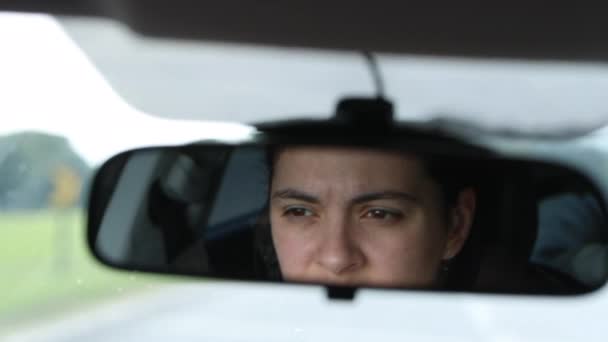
420, 217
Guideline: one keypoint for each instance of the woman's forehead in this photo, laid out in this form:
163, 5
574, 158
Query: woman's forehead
352, 168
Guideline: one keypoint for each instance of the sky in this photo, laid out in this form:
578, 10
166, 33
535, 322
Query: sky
48, 85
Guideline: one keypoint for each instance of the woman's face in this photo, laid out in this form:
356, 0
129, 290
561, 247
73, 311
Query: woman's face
362, 217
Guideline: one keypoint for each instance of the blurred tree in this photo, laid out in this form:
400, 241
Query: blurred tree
11, 172
30, 176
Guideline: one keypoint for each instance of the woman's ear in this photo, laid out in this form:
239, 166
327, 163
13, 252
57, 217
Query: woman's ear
461, 220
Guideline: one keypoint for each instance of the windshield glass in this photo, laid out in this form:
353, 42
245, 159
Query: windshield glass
77, 92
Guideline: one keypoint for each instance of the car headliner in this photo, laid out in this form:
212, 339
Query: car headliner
193, 80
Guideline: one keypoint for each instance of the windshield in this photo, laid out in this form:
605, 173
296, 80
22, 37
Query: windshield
80, 91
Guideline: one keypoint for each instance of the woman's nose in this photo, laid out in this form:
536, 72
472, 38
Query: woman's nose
339, 251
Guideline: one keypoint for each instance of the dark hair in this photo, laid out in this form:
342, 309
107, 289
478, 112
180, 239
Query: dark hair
451, 175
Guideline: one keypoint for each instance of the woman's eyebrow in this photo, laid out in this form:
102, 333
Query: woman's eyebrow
373, 196
290, 193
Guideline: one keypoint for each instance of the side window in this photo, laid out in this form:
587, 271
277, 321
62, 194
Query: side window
573, 237
241, 195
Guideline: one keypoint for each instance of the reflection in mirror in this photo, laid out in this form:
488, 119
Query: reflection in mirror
351, 216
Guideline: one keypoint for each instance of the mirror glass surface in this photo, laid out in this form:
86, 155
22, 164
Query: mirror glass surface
355, 216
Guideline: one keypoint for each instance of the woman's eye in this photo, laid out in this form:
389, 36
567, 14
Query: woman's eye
298, 212
382, 214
